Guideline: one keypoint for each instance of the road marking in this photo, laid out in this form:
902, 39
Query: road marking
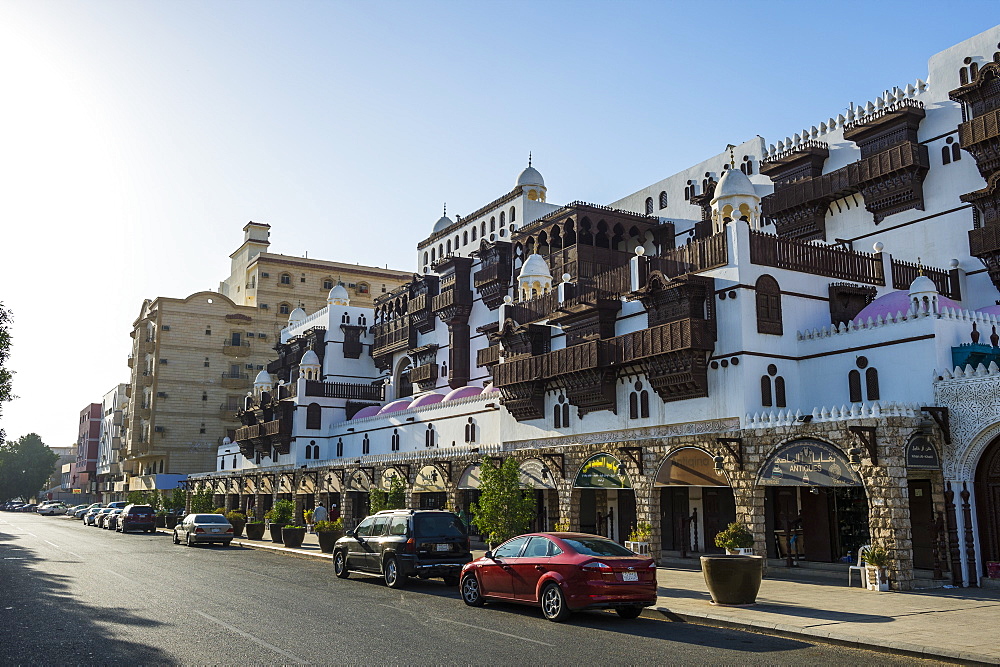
479, 627
271, 647
131, 581
71, 553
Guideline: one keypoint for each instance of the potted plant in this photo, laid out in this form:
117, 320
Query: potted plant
255, 528
278, 517
638, 539
292, 536
328, 533
876, 558
733, 579
171, 519
307, 516
238, 520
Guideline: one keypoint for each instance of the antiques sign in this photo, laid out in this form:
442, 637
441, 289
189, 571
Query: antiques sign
808, 463
603, 472
920, 454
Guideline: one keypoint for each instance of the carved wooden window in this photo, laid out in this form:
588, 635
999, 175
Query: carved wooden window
854, 385
352, 342
314, 416
395, 439
765, 391
768, 306
779, 392
871, 384
663, 199
340, 447
366, 445
649, 205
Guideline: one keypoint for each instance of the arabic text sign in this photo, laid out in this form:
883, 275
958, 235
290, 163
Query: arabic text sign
808, 463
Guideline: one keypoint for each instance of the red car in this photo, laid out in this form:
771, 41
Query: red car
562, 572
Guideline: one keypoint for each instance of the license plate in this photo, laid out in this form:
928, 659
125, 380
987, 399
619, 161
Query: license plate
215, 530
443, 547
630, 576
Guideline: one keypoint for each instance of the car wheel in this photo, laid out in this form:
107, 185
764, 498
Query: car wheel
554, 603
628, 612
177, 540
450, 580
390, 572
470, 591
340, 564
188, 540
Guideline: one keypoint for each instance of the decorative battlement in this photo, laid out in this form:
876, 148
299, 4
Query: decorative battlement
960, 373
845, 412
890, 101
911, 314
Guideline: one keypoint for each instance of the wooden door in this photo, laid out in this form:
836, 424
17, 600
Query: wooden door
922, 523
626, 513
988, 503
588, 511
816, 524
673, 510
720, 511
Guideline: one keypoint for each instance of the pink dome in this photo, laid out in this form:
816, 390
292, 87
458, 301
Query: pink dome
463, 392
990, 310
427, 399
370, 411
895, 302
395, 406
490, 389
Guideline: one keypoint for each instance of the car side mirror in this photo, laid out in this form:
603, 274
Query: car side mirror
488, 554
351, 533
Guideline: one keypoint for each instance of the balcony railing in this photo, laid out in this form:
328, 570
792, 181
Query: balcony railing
904, 273
393, 336
227, 411
234, 349
425, 373
700, 255
271, 428
785, 253
348, 390
235, 380
488, 356
146, 379
146, 345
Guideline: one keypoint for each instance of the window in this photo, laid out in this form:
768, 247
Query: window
474, 230
447, 246
747, 166
206, 362
340, 447
202, 429
510, 549
854, 386
871, 384
208, 331
302, 279
328, 283
286, 279
663, 200
493, 224
204, 395
513, 214
465, 237
560, 413
649, 206
362, 288
470, 430
765, 391
482, 229
779, 392
366, 445
638, 402
284, 308
429, 436
395, 439
314, 416
768, 306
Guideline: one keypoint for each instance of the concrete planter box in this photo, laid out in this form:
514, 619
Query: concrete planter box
255, 531
292, 537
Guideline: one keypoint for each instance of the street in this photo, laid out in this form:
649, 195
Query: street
80, 595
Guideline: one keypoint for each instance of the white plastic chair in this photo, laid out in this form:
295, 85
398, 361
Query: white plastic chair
860, 567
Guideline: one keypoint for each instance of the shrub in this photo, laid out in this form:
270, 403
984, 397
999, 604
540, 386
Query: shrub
335, 526
641, 533
282, 512
876, 555
735, 536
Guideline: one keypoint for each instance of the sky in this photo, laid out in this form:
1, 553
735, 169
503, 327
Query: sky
137, 138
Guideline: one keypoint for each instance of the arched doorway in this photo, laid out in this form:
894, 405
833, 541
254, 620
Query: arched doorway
330, 495
468, 493
534, 475
356, 507
696, 502
988, 504
429, 489
815, 504
603, 492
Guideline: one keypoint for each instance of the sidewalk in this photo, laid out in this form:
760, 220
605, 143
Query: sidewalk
952, 624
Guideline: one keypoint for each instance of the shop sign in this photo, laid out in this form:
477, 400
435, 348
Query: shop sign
534, 475
921, 455
808, 463
359, 481
603, 472
690, 467
429, 480
470, 478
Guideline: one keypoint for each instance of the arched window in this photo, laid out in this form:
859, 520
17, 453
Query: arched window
765, 391
366, 445
429, 436
768, 306
493, 224
457, 239
340, 447
973, 71
395, 439
513, 214
441, 250
433, 254
425, 257
447, 247
284, 308
286, 279
663, 199
779, 392
465, 237
560, 413
871, 384
470, 430
314, 416
503, 218
482, 231
638, 402
474, 230
633, 405
854, 386
956, 150
649, 205
946, 154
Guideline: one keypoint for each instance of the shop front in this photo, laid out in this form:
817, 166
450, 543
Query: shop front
468, 493
358, 485
430, 491
987, 487
925, 492
815, 504
602, 491
536, 479
696, 502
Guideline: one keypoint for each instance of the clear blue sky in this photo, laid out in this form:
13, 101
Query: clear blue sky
139, 137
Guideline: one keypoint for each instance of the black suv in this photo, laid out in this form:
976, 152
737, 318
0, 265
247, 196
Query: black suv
137, 516
402, 543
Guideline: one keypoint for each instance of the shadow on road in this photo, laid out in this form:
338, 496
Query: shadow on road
44, 624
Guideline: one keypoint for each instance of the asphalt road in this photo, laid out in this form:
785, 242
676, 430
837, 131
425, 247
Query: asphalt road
71, 594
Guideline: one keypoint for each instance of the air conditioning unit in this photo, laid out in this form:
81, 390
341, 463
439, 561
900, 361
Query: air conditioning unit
265, 275
263, 306
260, 335
163, 361
166, 327
161, 394
159, 429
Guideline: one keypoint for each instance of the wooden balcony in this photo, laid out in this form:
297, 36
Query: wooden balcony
393, 336
235, 380
786, 253
980, 136
232, 349
424, 373
144, 411
131, 361
146, 379
488, 356
146, 345
348, 390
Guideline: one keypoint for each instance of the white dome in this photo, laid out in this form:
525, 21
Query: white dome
444, 222
734, 183
310, 358
530, 176
263, 378
923, 284
296, 315
534, 267
338, 294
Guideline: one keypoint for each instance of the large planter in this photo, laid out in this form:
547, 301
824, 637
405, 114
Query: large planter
170, 521
275, 529
292, 537
327, 539
237, 528
255, 531
161, 521
733, 580
639, 548
878, 578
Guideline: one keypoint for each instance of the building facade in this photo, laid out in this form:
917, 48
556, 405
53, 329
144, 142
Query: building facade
113, 407
84, 477
800, 335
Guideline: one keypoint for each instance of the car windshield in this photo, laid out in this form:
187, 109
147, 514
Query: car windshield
443, 525
210, 518
597, 547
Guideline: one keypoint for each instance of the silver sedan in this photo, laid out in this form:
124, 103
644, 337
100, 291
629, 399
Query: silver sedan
198, 528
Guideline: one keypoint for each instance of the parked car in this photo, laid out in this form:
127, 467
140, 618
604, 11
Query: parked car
198, 528
71, 511
79, 514
562, 573
92, 519
27, 508
110, 520
137, 517
52, 509
402, 543
118, 504
11, 506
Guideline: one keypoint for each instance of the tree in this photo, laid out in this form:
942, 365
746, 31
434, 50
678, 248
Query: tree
202, 501
25, 467
504, 509
6, 375
393, 499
